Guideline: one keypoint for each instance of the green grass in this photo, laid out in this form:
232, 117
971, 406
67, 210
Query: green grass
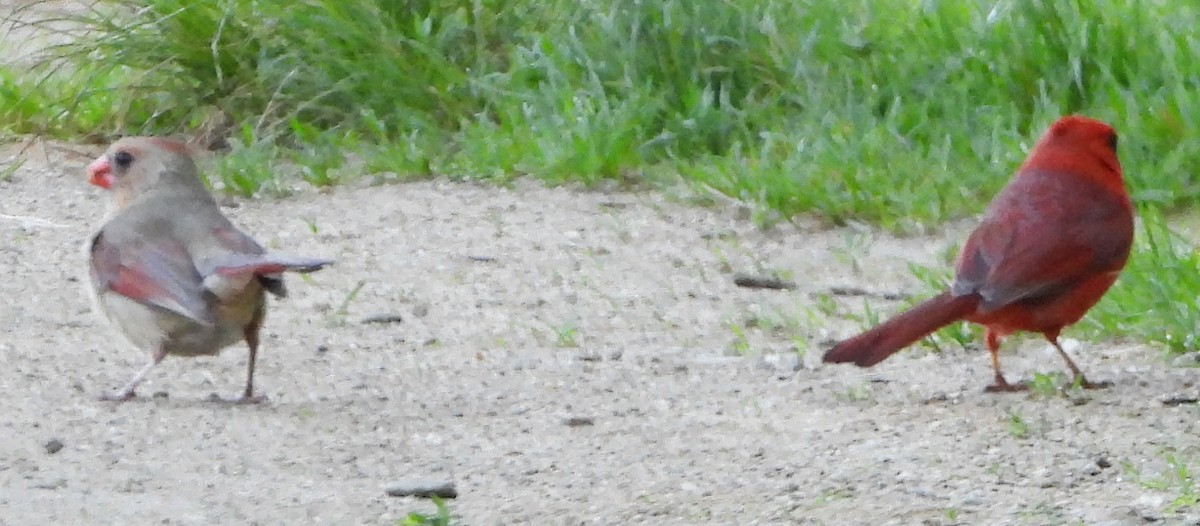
441, 517
900, 113
1155, 297
1153, 300
1174, 479
893, 111
1018, 427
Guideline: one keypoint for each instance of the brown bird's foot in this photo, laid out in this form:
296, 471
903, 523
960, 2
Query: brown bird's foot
252, 400
1083, 382
118, 396
241, 400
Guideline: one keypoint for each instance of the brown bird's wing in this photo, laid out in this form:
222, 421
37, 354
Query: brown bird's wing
225, 244
235, 264
156, 272
1036, 241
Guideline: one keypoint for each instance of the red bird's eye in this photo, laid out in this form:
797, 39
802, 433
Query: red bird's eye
1112, 141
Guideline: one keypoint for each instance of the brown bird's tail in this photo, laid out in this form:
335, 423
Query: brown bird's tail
873, 346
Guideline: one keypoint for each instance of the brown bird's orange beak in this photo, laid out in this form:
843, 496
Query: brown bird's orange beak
100, 173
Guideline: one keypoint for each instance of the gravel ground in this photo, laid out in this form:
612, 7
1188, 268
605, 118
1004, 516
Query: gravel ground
560, 357
563, 357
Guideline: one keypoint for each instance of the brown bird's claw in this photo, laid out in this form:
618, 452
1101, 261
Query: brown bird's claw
252, 400
242, 400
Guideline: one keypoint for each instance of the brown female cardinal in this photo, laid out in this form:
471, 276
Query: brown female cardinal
168, 269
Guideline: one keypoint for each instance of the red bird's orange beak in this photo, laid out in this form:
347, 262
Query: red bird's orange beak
100, 173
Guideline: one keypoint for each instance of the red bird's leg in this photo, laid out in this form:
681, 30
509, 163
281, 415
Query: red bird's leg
999, 385
1078, 374
127, 393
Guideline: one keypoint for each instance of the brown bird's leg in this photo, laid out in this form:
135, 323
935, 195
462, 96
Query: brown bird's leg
127, 393
1078, 374
251, 335
999, 385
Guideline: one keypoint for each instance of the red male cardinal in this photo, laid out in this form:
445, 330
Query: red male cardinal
1049, 246
168, 269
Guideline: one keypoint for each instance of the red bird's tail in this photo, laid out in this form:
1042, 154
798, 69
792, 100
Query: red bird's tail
873, 346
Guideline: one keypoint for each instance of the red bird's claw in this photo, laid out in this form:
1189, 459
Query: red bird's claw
1006, 388
1102, 384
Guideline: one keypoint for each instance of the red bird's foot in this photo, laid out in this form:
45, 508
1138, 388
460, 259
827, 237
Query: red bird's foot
1083, 382
119, 396
1005, 387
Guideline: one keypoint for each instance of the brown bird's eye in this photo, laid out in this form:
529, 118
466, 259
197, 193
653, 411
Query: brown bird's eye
1112, 141
123, 159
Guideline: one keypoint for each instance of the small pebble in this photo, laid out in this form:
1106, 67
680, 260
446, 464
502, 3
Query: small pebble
1180, 399
973, 500
422, 488
780, 362
763, 282
717, 360
1191, 359
51, 484
1088, 467
421, 310
382, 317
53, 446
578, 421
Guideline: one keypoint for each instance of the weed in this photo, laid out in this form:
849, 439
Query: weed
440, 518
952, 514
1049, 385
741, 341
567, 334
338, 317
7, 172
858, 393
1017, 426
1177, 478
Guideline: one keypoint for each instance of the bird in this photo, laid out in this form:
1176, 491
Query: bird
167, 269
1047, 248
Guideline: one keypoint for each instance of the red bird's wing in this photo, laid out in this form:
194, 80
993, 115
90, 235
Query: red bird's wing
1042, 235
156, 272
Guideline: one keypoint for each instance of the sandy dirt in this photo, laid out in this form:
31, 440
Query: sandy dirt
525, 307
563, 357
